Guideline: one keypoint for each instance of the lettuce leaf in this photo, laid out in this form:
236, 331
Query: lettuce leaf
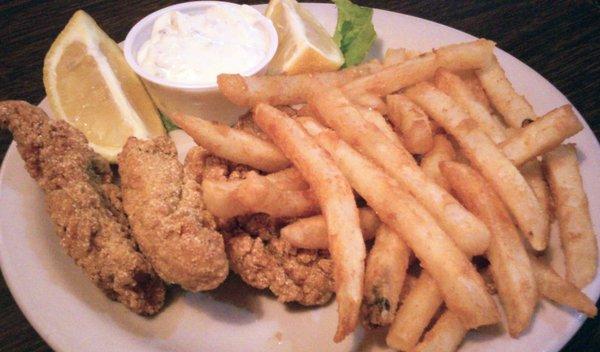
354, 33
169, 125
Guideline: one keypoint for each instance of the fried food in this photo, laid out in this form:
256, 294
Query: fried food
163, 202
395, 56
378, 120
513, 107
553, 287
370, 101
509, 263
311, 233
534, 175
445, 336
385, 273
336, 111
261, 258
312, 126
462, 288
411, 122
337, 203
464, 56
289, 179
577, 236
483, 153
471, 80
430, 164
241, 199
284, 89
293, 275
455, 87
415, 313
393, 78
257, 194
233, 144
542, 135
85, 206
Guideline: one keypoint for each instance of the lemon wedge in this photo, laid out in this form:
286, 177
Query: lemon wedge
304, 45
90, 85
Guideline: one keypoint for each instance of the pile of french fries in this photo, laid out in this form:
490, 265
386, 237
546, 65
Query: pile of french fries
452, 162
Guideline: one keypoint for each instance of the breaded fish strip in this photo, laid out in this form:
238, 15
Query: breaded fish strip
293, 275
84, 205
163, 202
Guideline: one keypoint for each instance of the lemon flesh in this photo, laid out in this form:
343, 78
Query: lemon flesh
91, 86
304, 45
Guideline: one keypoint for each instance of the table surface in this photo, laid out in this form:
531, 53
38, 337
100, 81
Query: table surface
557, 39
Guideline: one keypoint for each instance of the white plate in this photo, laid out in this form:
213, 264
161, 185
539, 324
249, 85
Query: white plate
73, 315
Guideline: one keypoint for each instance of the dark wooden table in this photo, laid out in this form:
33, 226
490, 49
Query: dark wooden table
560, 40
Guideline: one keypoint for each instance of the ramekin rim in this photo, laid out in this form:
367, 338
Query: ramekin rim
131, 58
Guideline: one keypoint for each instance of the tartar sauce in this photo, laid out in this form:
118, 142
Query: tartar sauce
195, 48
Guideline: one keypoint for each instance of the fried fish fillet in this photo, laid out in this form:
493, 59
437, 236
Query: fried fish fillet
293, 275
263, 260
84, 205
163, 202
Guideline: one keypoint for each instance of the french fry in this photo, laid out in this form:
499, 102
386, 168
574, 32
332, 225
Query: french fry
378, 120
256, 194
384, 277
306, 110
458, 90
233, 144
461, 286
370, 101
576, 231
509, 263
411, 122
288, 179
398, 56
393, 78
337, 203
534, 175
390, 79
492, 149
430, 164
513, 107
311, 125
483, 153
335, 110
542, 135
409, 281
471, 80
415, 313
311, 233
283, 89
553, 287
466, 56
446, 335
510, 131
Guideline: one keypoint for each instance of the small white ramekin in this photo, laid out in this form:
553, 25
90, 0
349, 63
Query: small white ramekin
200, 100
